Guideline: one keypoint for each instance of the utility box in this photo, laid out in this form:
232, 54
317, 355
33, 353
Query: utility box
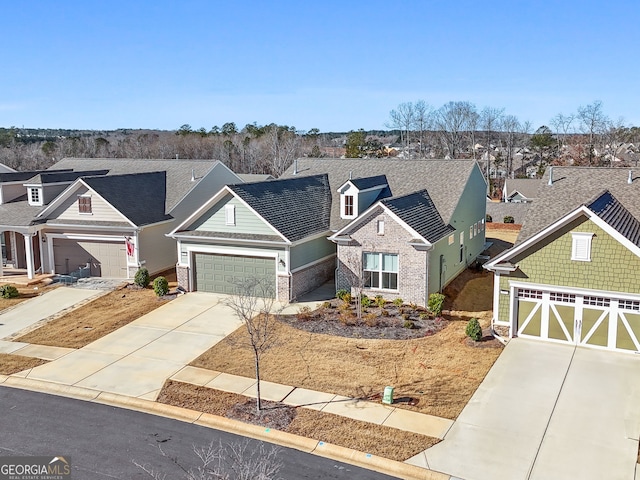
387, 396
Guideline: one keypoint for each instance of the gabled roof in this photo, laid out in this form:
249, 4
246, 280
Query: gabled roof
369, 182
527, 187
572, 187
419, 212
295, 207
179, 172
136, 196
444, 179
609, 209
62, 177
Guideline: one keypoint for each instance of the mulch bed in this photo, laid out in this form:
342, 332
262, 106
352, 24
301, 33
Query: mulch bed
273, 414
390, 322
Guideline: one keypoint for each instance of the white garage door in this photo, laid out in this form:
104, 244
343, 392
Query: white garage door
106, 259
582, 319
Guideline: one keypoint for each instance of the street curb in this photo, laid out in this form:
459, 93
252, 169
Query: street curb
285, 439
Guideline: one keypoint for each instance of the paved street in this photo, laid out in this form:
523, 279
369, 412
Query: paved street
103, 442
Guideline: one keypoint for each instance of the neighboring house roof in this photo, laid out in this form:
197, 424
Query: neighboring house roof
254, 177
135, 196
179, 172
64, 176
9, 177
18, 213
296, 207
419, 212
445, 180
527, 187
609, 209
499, 210
369, 182
572, 187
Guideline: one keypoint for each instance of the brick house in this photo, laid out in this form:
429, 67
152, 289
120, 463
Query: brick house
408, 226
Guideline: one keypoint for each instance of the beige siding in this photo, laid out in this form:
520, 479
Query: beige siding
101, 210
246, 221
156, 250
9, 192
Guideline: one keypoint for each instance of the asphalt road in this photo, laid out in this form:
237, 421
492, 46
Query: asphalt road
104, 442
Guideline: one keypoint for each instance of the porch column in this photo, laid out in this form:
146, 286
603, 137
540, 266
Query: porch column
28, 250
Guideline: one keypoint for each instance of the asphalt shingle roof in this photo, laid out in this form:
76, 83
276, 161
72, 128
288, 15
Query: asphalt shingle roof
419, 212
609, 209
369, 182
443, 179
573, 187
54, 177
296, 207
179, 172
526, 186
135, 196
8, 177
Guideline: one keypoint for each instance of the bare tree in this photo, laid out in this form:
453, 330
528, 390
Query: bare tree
510, 127
253, 304
490, 120
452, 121
234, 461
562, 124
423, 114
593, 122
403, 119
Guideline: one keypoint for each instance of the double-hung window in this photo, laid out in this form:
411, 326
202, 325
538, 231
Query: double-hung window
348, 205
381, 271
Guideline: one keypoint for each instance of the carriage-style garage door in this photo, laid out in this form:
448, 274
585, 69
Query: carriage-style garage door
595, 321
220, 273
107, 259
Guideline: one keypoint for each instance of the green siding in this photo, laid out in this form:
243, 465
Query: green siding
246, 221
311, 251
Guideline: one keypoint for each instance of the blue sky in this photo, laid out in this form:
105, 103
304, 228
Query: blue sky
332, 65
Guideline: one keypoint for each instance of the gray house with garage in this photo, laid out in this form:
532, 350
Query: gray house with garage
405, 228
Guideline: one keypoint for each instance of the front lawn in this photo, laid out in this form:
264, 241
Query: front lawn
10, 364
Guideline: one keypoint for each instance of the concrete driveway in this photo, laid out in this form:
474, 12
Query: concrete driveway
547, 411
136, 359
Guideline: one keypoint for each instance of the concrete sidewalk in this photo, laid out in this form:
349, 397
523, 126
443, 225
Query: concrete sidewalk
371, 412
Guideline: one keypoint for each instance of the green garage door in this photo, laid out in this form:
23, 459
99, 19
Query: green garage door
220, 273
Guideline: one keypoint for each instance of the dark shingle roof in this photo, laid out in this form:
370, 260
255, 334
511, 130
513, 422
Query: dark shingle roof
609, 209
8, 177
576, 186
179, 172
444, 179
55, 177
136, 196
419, 212
296, 207
369, 182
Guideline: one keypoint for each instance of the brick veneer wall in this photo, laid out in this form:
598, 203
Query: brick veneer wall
412, 263
182, 273
310, 278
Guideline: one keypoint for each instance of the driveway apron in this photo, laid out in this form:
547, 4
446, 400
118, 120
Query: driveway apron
136, 359
546, 411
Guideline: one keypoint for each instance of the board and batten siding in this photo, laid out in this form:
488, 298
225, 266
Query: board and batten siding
613, 267
309, 252
246, 221
101, 210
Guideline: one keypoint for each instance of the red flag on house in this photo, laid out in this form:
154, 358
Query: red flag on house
129, 244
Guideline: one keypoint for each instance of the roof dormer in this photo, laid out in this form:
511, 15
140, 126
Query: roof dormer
358, 194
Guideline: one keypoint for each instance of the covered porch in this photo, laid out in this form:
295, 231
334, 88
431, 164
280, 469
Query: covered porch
20, 253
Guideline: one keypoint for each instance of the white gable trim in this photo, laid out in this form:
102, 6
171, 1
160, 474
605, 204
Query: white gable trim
68, 192
582, 210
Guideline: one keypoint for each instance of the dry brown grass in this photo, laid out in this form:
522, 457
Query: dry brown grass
10, 364
95, 319
507, 232
366, 437
439, 372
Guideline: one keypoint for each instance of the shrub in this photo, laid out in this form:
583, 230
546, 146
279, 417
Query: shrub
347, 318
398, 302
405, 316
508, 219
304, 314
424, 316
161, 286
342, 294
379, 301
409, 324
384, 313
141, 278
9, 291
435, 302
365, 301
371, 320
326, 305
488, 218
474, 330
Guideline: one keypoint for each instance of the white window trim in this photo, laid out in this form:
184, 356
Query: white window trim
381, 271
229, 214
380, 226
84, 195
343, 204
38, 203
581, 239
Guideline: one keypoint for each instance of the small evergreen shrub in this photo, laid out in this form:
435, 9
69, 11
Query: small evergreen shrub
380, 301
161, 286
508, 219
342, 293
141, 278
384, 313
326, 305
371, 320
398, 302
409, 324
488, 218
435, 302
9, 291
473, 330
365, 301
424, 316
